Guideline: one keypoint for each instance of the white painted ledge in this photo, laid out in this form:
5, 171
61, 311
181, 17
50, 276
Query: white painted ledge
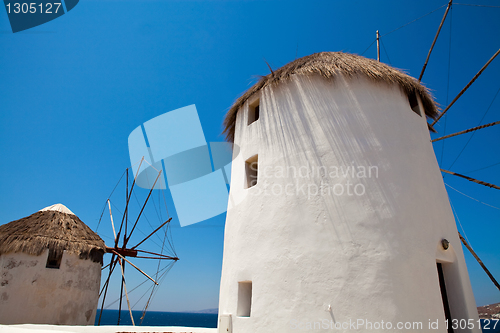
25, 328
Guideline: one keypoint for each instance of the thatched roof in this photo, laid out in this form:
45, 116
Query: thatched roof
55, 228
329, 65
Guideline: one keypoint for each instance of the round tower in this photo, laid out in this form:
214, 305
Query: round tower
338, 217
50, 269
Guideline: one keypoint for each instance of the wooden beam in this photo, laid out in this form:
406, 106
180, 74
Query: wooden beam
121, 251
471, 179
151, 234
495, 282
466, 87
466, 131
126, 293
122, 257
434, 42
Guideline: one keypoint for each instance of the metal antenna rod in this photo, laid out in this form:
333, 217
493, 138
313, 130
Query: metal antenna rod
378, 46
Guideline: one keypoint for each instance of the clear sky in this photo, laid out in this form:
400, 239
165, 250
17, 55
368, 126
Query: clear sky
73, 89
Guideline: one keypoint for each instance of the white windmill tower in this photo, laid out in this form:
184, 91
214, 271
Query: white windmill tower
338, 212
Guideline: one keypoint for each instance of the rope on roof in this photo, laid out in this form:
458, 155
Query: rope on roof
495, 282
366, 48
471, 179
385, 51
435, 39
466, 131
415, 20
404, 25
466, 87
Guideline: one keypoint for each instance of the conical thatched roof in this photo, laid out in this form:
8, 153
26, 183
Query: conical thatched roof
55, 228
329, 65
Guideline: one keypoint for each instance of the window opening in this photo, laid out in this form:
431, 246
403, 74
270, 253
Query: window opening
253, 112
244, 298
251, 168
54, 259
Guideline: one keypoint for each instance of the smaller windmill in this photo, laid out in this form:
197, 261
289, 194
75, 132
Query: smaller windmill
49, 258
121, 248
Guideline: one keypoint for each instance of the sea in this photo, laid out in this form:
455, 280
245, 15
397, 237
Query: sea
156, 318
209, 320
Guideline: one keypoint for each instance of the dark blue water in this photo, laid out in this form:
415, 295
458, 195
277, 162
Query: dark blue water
154, 318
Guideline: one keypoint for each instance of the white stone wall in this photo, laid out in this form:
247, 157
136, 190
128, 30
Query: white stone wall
323, 259
32, 293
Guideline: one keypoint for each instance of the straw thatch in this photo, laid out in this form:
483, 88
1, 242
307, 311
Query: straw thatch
329, 65
51, 230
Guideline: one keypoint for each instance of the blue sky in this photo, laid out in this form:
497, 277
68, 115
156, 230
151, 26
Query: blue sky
74, 88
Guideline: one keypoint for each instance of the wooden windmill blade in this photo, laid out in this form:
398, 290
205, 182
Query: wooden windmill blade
473, 129
122, 266
116, 241
120, 252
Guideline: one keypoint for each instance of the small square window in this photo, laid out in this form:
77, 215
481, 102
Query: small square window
414, 105
253, 111
54, 259
251, 170
244, 299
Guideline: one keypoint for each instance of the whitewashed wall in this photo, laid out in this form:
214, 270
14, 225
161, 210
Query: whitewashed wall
317, 260
32, 293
